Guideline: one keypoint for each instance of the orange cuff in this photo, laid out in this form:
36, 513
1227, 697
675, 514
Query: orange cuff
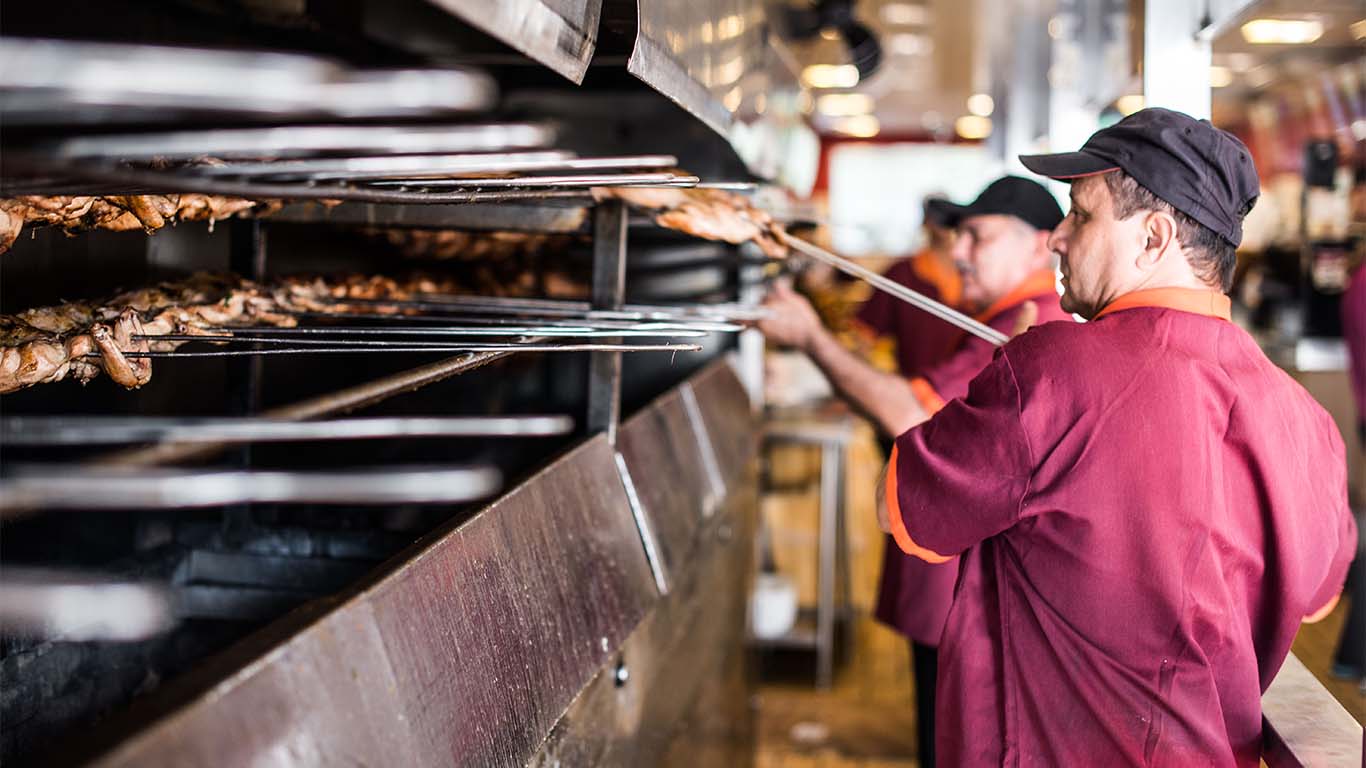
1321, 613
899, 533
927, 396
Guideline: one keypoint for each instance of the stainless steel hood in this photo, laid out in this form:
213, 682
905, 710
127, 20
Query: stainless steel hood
561, 34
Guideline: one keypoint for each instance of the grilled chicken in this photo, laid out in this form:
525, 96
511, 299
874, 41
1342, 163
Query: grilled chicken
711, 214
119, 213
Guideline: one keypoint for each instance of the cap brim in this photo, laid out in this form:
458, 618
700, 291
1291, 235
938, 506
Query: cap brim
1068, 165
947, 213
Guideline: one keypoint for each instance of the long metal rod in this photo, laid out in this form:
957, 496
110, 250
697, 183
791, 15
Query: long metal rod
363, 347
585, 180
92, 488
431, 166
559, 308
77, 606
346, 333
180, 182
560, 322
341, 401
97, 430
915, 299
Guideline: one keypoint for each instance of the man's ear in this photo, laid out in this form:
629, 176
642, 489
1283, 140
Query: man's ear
1159, 235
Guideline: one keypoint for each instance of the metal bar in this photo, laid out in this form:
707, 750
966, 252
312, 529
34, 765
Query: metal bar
81, 607
430, 167
899, 291
560, 308
647, 535
827, 555
95, 489
360, 347
93, 430
561, 181
180, 182
343, 340
343, 332
608, 293
545, 322
380, 166
704, 448
342, 401
305, 139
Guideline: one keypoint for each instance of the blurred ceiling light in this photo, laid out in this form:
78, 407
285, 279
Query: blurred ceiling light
859, 126
1359, 129
973, 126
910, 44
831, 75
1127, 105
830, 33
1057, 27
844, 104
1358, 29
1240, 62
1282, 31
1220, 77
981, 104
730, 26
905, 13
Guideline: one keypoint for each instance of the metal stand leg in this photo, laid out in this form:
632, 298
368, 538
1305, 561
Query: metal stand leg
246, 257
828, 556
608, 292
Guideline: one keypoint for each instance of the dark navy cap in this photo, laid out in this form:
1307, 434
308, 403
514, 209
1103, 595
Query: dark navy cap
1202, 171
1010, 196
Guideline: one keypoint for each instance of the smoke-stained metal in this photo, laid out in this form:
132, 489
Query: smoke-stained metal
467, 651
561, 34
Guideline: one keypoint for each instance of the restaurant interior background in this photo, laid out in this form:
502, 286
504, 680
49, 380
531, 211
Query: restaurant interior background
961, 91
651, 548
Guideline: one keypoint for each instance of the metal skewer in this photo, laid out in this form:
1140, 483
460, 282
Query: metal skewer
77, 606
355, 347
345, 332
563, 322
898, 290
63, 488
97, 430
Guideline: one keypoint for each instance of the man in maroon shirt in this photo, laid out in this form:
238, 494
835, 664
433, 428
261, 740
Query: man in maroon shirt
1008, 281
1149, 508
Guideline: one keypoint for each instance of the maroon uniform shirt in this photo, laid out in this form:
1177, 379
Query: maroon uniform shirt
913, 595
1149, 509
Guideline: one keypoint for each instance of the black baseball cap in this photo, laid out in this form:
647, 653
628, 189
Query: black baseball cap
1202, 171
1009, 195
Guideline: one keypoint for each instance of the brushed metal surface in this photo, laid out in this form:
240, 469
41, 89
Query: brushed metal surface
466, 652
730, 424
561, 34
677, 693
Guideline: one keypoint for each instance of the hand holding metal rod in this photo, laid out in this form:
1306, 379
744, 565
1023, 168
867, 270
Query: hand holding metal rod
915, 299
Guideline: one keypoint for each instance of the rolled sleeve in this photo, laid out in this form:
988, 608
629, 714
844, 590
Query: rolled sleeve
962, 476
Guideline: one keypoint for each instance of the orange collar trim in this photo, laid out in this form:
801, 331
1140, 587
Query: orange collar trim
1037, 284
1199, 301
930, 267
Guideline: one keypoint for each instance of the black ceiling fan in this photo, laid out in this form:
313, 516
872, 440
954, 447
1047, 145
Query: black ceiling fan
803, 23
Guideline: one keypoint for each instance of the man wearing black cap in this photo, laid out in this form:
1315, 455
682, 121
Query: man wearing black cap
1002, 251
1007, 282
1148, 507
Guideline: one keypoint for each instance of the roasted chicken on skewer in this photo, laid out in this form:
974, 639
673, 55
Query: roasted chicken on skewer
118, 213
79, 340
712, 214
